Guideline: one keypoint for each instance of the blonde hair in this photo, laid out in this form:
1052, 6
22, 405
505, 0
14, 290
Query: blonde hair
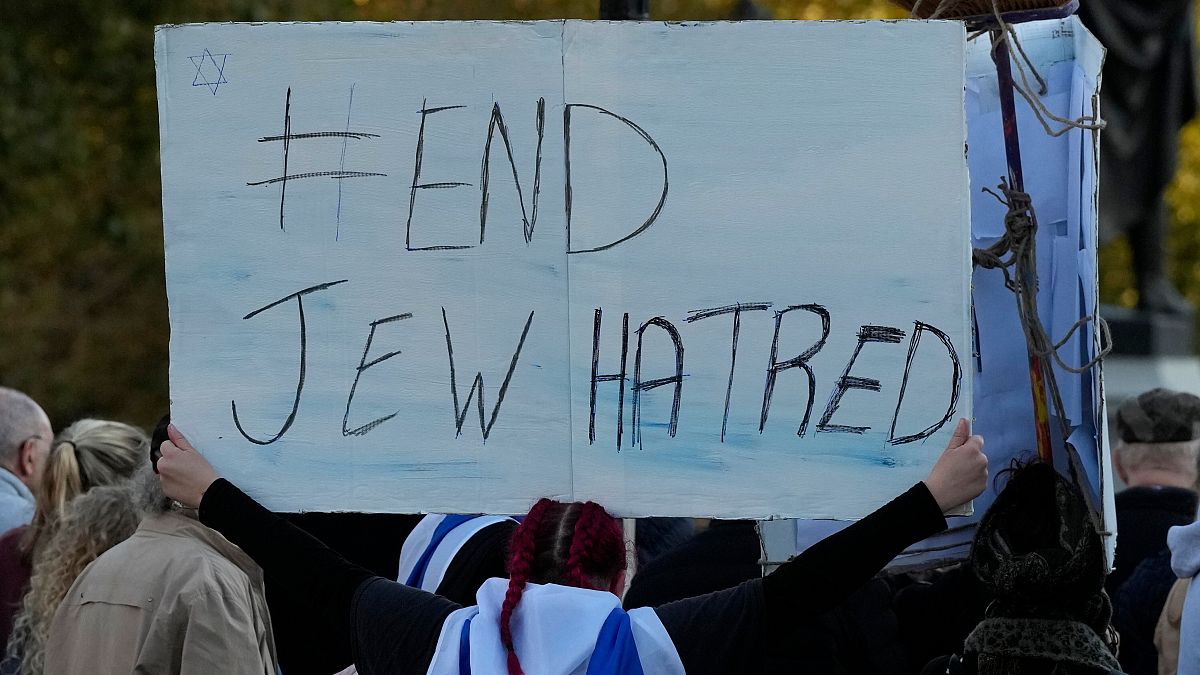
87, 454
89, 526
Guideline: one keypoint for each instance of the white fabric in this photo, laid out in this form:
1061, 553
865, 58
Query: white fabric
554, 631
449, 547
656, 651
439, 562
415, 544
446, 653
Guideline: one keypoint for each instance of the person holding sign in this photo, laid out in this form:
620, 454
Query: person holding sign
558, 612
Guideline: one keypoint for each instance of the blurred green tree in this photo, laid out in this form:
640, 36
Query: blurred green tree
85, 327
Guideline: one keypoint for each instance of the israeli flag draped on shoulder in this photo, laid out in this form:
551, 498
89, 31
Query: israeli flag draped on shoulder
432, 545
557, 630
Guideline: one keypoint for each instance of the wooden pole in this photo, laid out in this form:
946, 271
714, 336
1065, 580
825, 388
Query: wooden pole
1016, 177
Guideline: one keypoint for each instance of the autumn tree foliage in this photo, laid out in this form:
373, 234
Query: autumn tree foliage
83, 312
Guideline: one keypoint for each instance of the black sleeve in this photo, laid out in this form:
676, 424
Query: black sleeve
391, 628
720, 632
765, 611
396, 627
821, 577
289, 557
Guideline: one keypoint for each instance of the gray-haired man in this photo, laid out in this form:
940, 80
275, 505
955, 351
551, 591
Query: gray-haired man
25, 436
1156, 456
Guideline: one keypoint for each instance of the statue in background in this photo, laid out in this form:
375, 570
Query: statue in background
1149, 92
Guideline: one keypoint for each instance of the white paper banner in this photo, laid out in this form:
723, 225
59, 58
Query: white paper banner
701, 269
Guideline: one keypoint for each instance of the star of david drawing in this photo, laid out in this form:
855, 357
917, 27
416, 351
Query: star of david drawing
209, 71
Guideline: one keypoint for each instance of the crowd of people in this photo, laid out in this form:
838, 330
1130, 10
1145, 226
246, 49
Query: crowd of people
128, 553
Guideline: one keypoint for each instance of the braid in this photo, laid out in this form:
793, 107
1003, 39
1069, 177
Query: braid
581, 544
547, 547
520, 563
597, 547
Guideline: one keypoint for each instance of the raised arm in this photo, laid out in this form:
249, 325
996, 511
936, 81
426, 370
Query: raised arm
290, 557
847, 559
751, 617
384, 626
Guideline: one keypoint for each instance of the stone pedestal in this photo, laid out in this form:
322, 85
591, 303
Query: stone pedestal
1128, 376
1138, 333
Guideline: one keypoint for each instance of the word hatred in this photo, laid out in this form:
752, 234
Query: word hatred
637, 384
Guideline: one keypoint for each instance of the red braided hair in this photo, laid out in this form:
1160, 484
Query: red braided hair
589, 563
577, 544
520, 564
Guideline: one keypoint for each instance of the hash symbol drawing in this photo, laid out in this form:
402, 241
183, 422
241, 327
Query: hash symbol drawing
339, 175
209, 73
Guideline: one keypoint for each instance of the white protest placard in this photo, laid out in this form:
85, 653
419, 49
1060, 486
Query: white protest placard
680, 269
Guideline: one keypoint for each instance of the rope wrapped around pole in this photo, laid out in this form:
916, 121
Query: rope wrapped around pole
1015, 255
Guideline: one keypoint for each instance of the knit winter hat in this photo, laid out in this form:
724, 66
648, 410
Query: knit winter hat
1159, 416
1037, 550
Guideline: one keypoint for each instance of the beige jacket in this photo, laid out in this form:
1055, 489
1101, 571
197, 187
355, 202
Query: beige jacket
176, 597
1166, 634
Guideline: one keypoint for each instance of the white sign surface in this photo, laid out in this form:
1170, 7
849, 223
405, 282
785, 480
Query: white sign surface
713, 269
